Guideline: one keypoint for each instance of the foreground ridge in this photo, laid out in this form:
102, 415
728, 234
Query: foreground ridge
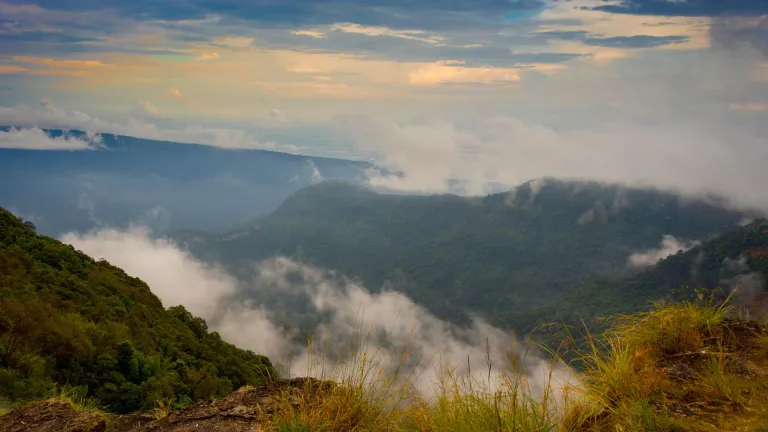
691, 365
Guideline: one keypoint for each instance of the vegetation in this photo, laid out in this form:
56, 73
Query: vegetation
70, 322
682, 366
500, 255
721, 262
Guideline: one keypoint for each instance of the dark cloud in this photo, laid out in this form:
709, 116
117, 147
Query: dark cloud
474, 51
687, 7
392, 13
47, 37
638, 41
740, 32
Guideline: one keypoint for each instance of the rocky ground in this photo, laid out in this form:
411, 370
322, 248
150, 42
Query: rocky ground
245, 410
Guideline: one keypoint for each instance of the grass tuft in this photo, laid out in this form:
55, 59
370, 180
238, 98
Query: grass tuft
162, 410
77, 398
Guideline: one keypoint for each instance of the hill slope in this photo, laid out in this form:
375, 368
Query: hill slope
736, 259
493, 254
68, 319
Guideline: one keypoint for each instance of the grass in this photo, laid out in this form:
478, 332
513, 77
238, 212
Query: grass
5, 407
162, 410
684, 366
376, 393
76, 398
673, 368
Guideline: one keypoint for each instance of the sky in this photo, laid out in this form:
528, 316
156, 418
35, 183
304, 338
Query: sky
321, 77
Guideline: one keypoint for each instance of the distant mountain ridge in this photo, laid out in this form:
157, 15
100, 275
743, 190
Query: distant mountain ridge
457, 255
162, 184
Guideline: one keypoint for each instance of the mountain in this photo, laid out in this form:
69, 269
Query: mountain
68, 320
736, 259
162, 184
492, 255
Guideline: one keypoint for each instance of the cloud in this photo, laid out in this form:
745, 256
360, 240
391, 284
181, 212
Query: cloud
670, 245
57, 67
175, 92
690, 158
233, 42
417, 35
447, 72
238, 310
174, 276
5, 69
636, 41
633, 41
686, 7
146, 110
208, 56
37, 139
393, 13
739, 32
277, 114
750, 106
53, 117
311, 33
746, 284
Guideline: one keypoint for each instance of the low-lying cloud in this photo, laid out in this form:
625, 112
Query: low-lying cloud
670, 245
693, 159
38, 139
51, 116
745, 283
390, 323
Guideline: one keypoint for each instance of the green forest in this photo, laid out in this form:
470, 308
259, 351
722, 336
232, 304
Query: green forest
500, 255
713, 266
67, 320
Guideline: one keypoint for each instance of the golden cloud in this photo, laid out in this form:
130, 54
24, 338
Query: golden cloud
441, 72
750, 106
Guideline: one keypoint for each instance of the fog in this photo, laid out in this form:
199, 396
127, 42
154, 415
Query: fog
670, 245
676, 155
388, 326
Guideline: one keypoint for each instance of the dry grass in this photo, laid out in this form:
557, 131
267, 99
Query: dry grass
372, 395
76, 397
632, 378
162, 410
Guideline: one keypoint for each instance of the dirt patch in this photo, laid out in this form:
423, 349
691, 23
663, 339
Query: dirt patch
51, 416
245, 410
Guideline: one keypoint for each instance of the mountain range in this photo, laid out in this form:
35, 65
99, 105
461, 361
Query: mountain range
165, 185
510, 257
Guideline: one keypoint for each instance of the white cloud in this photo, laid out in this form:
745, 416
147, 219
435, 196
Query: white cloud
419, 35
317, 34
38, 139
393, 322
146, 110
208, 56
681, 156
234, 41
54, 117
277, 114
449, 72
670, 245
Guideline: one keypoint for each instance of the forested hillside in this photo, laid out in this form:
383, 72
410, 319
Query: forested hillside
736, 260
73, 321
495, 255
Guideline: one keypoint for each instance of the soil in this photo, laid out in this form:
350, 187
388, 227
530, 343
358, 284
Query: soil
245, 410
51, 416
